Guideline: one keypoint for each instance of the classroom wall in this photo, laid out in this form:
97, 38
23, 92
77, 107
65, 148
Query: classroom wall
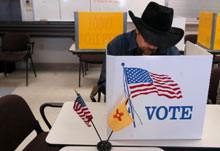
53, 50
10, 10
26, 11
48, 50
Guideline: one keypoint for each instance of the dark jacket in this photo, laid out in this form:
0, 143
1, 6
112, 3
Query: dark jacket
125, 45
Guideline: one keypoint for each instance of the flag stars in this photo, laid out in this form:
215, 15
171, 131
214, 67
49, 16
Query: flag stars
137, 75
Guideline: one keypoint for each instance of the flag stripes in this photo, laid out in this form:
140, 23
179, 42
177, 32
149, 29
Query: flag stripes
82, 110
142, 82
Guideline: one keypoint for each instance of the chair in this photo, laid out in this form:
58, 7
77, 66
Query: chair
93, 31
17, 47
191, 37
17, 122
216, 60
214, 83
86, 59
42, 111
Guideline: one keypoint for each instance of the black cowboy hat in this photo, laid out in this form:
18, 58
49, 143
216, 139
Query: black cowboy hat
155, 26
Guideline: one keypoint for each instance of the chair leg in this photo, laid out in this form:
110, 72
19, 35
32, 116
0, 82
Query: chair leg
80, 64
32, 64
26, 71
214, 101
86, 68
82, 68
5, 68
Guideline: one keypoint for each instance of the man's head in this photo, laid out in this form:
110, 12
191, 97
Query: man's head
154, 28
145, 47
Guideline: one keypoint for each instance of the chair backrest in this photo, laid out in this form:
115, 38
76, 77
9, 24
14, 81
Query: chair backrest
17, 121
191, 37
93, 58
15, 41
214, 83
94, 30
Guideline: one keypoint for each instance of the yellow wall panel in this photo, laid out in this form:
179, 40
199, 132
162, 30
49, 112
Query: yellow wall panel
97, 29
205, 29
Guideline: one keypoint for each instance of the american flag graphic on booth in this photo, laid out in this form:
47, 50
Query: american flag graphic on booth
82, 110
142, 82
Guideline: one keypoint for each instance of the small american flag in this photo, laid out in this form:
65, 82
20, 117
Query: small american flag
82, 110
142, 82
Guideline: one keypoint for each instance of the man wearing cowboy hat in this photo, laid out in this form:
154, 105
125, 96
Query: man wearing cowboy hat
153, 36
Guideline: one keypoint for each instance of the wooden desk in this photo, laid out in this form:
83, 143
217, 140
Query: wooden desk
69, 129
85, 51
214, 52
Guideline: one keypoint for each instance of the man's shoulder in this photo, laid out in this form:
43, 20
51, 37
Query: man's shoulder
122, 43
123, 37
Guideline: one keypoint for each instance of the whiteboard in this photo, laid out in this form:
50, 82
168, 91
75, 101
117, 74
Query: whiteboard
46, 10
62, 10
190, 8
136, 6
67, 8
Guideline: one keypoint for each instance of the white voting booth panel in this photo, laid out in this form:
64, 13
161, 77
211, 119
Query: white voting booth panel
168, 94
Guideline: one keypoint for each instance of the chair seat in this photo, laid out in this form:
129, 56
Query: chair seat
191, 37
12, 57
39, 144
216, 59
92, 58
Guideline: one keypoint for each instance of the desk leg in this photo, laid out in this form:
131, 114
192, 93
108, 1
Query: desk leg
80, 66
213, 60
83, 68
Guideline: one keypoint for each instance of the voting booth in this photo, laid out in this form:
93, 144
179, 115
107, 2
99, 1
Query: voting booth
209, 30
168, 94
94, 30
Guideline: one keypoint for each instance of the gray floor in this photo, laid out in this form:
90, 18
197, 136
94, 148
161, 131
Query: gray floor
49, 86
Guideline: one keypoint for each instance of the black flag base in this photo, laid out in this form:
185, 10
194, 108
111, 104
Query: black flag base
104, 146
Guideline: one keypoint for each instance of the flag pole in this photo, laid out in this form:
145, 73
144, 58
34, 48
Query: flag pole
128, 94
112, 130
76, 91
109, 136
92, 122
96, 130
105, 145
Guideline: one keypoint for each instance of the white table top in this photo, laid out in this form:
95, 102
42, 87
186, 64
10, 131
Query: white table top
81, 148
70, 129
74, 50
